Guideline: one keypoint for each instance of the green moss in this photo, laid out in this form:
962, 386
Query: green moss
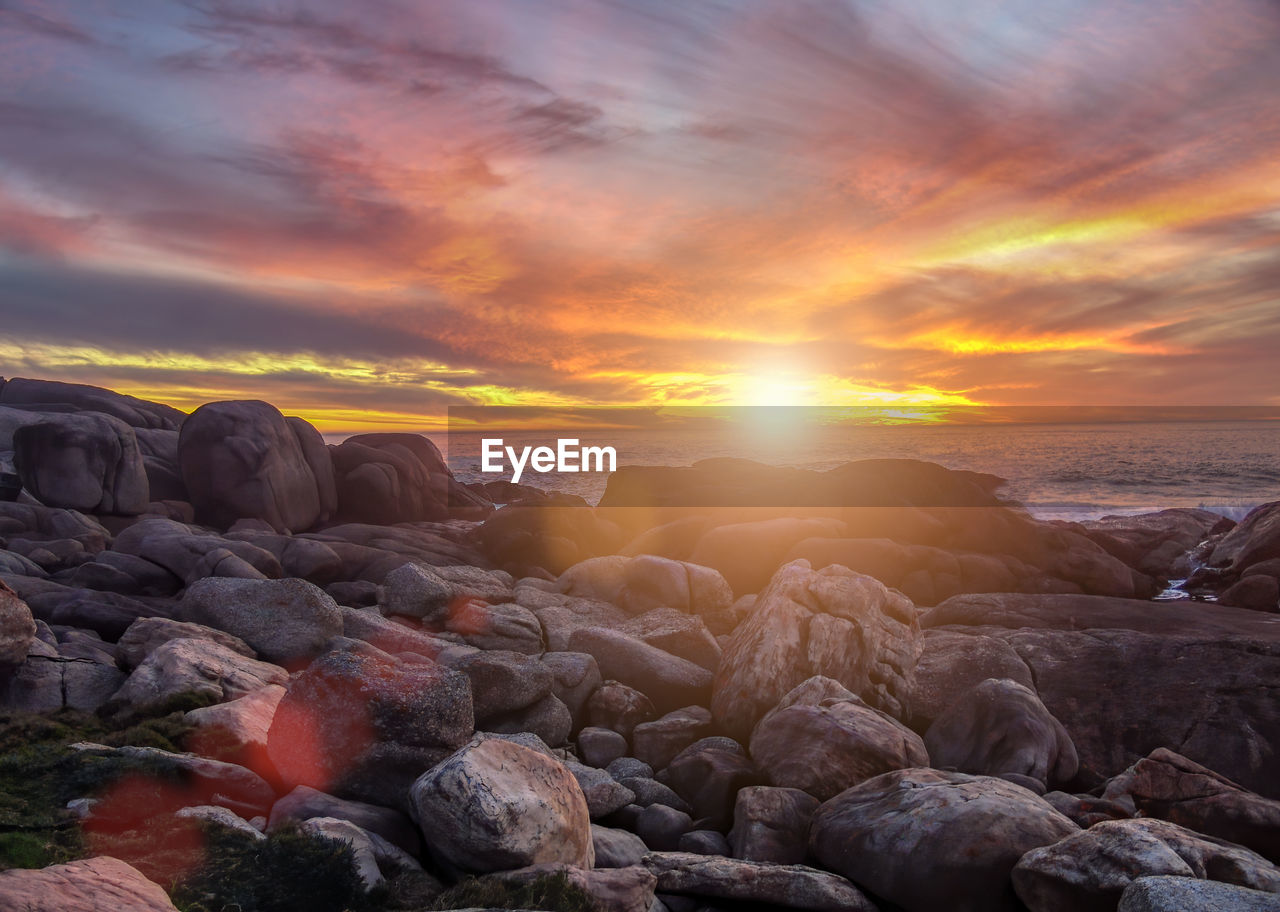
552, 893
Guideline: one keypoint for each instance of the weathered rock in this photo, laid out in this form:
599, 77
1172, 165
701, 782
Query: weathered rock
661, 827
147, 634
826, 746
236, 730
492, 627
618, 707
391, 636
60, 676
999, 727
1257, 592
364, 725
734, 880
138, 413
243, 460
344, 831
629, 768
669, 681
600, 746
87, 885
563, 615
210, 813
576, 676
708, 775
87, 461
1086, 810
657, 742
193, 668
304, 558
680, 634
1092, 868
502, 682
105, 613
1169, 786
549, 719
17, 630
926, 840
285, 620
617, 889
1187, 894
191, 554
305, 803
704, 842
772, 824
396, 478
829, 622
494, 806
604, 794
952, 663
616, 848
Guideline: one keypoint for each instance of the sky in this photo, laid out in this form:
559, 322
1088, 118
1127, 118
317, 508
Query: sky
368, 212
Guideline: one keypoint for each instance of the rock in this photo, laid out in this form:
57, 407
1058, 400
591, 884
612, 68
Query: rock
243, 460
657, 742
205, 781
616, 848
192, 668
829, 622
1168, 785
925, 840
236, 731
344, 831
772, 824
703, 842
1092, 868
502, 682
549, 719
391, 636
600, 746
128, 574
618, 707
397, 478
1255, 592
57, 677
1086, 810
17, 630
563, 615
494, 627
494, 806
222, 817
365, 725
618, 889
747, 554
547, 538
87, 885
1254, 539
105, 613
669, 681
629, 768
733, 880
304, 558
305, 803
680, 634
87, 462
1156, 543
708, 775
147, 634
826, 748
284, 620
661, 827
1187, 894
191, 554
999, 727
603, 793
137, 413
576, 676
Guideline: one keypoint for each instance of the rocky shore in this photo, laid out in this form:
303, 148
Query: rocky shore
241, 669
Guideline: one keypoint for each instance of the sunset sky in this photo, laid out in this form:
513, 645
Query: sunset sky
365, 212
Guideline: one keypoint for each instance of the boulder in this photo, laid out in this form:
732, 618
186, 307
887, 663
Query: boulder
657, 742
508, 627
736, 881
831, 622
1156, 544
708, 774
106, 613
243, 460
54, 677
397, 478
772, 824
952, 663
1171, 787
832, 744
600, 746
747, 554
287, 620
305, 803
147, 634
191, 554
502, 682
575, 677
205, 781
86, 885
364, 725
704, 842
549, 719
86, 461
616, 848
137, 413
363, 857
1187, 894
926, 840
604, 794
495, 806
662, 827
680, 634
17, 630
1255, 538
999, 727
236, 730
1091, 869
620, 708
616, 889
669, 681
185, 668
1257, 592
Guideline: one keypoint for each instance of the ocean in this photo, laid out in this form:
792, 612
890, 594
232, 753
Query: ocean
1057, 471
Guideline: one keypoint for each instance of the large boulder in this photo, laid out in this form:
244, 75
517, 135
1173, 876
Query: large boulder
364, 725
86, 885
772, 824
237, 730
17, 630
824, 746
1172, 787
831, 622
283, 620
925, 840
732, 880
1254, 540
201, 669
495, 805
191, 554
999, 727
669, 681
147, 634
84, 461
304, 803
244, 460
135, 412
1091, 869
392, 478
708, 775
